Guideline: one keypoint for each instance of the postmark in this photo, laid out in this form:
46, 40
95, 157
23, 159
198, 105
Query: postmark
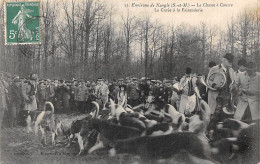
22, 22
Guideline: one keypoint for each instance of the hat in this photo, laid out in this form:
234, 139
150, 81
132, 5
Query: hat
100, 79
33, 76
167, 81
212, 64
229, 57
188, 70
124, 86
159, 81
17, 80
41, 82
143, 78
251, 65
16, 76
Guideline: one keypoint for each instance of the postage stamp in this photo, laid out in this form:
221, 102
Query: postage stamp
22, 22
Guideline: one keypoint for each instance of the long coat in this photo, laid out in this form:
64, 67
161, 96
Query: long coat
248, 96
16, 97
32, 105
102, 93
81, 93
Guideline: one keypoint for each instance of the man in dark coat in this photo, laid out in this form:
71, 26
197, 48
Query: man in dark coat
49, 90
41, 95
145, 85
73, 89
16, 98
133, 93
62, 98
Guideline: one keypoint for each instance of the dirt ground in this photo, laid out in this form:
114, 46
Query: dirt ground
18, 146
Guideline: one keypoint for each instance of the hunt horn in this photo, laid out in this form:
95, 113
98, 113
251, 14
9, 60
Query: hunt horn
220, 85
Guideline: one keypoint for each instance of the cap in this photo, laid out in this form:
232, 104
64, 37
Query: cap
229, 57
134, 78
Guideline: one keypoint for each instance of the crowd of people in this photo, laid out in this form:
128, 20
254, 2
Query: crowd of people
17, 93
31, 93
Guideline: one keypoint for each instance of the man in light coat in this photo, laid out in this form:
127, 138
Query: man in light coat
29, 90
226, 69
103, 91
188, 88
81, 95
248, 83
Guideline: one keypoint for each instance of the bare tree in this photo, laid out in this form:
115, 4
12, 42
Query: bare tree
244, 31
129, 23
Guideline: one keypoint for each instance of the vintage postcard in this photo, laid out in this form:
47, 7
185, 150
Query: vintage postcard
130, 81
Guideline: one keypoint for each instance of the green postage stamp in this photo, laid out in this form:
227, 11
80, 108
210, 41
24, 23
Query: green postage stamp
22, 22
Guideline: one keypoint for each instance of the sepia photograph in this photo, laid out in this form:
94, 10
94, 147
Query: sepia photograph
129, 81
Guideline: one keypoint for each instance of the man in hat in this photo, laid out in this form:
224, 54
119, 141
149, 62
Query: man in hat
175, 99
49, 90
133, 92
248, 83
241, 63
187, 89
29, 91
145, 85
93, 88
73, 90
225, 68
120, 81
103, 91
81, 96
41, 95
16, 98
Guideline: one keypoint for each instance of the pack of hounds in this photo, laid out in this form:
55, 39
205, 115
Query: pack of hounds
152, 135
